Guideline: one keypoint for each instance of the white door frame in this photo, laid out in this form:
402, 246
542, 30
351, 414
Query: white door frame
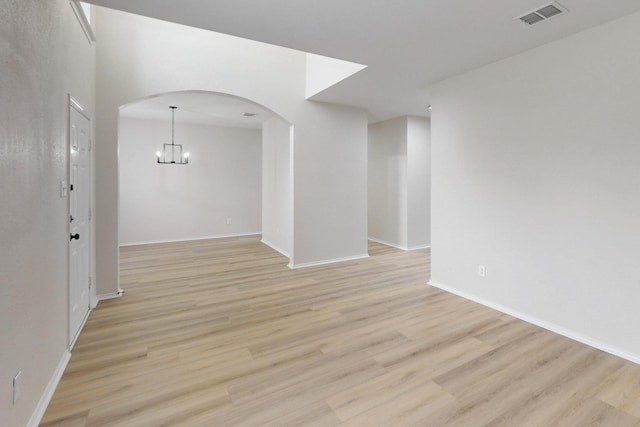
75, 105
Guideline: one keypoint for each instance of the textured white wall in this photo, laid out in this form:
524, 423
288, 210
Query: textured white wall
161, 203
277, 208
535, 175
45, 56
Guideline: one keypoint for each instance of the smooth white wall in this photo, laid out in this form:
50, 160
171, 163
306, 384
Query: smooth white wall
399, 182
323, 72
45, 56
387, 171
222, 181
140, 57
277, 208
535, 175
418, 182
330, 185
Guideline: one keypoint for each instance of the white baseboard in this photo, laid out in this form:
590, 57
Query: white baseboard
275, 248
190, 239
84, 322
38, 413
417, 248
384, 242
326, 261
112, 295
591, 342
393, 245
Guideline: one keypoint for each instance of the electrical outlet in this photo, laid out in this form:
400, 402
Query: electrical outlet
229, 221
16, 387
482, 271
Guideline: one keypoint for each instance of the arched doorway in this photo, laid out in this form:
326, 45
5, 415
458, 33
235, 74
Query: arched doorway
237, 180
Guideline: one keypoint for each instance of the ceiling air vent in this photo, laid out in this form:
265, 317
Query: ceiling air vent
543, 13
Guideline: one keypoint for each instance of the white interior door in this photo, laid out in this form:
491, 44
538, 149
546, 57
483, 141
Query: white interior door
79, 221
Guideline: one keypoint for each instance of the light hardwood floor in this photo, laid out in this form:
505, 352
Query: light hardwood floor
222, 333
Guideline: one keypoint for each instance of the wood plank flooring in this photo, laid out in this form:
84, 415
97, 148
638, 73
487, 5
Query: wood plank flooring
222, 333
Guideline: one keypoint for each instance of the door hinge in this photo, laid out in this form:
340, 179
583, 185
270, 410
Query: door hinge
89, 282
90, 141
89, 214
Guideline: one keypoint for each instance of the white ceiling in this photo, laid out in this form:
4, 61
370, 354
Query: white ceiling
407, 44
199, 108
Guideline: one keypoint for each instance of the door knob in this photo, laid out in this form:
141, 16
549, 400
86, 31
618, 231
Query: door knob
75, 236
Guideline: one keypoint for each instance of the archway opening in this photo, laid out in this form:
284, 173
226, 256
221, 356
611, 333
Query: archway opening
237, 182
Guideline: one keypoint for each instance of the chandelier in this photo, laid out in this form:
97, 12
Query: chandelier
172, 151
